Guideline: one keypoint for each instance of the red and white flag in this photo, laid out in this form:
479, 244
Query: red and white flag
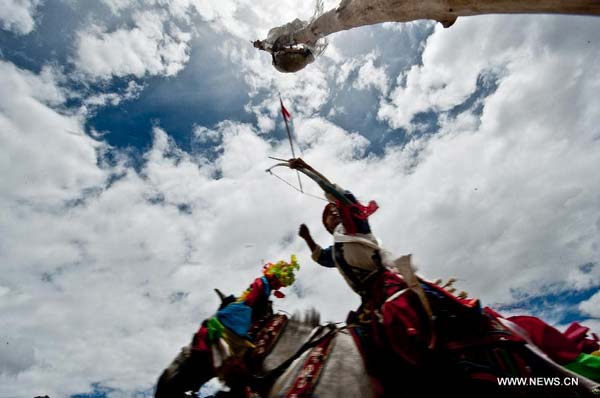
286, 117
284, 112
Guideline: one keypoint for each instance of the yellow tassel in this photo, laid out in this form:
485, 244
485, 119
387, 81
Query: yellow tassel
450, 282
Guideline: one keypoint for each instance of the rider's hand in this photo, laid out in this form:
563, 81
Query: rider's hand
303, 232
297, 163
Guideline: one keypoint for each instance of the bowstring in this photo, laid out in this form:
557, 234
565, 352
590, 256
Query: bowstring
294, 187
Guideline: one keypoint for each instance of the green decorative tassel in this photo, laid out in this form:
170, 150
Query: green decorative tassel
586, 365
215, 329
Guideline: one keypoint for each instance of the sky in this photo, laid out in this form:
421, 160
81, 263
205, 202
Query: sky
134, 138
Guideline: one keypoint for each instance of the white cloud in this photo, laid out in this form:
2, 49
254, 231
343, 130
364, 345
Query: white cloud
60, 158
132, 91
117, 6
265, 124
18, 16
370, 75
343, 71
154, 46
17, 356
250, 21
452, 60
204, 135
592, 306
580, 279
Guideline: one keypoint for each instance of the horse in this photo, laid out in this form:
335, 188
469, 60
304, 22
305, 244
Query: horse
267, 362
330, 361
344, 372
347, 371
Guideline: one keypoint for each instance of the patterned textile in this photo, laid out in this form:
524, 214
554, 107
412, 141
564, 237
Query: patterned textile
309, 374
268, 335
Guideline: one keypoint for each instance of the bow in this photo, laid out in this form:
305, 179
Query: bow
308, 173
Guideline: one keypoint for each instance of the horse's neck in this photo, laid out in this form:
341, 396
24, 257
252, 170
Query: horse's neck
292, 337
344, 376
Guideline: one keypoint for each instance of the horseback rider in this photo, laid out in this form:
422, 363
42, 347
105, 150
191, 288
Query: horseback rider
398, 320
253, 305
234, 321
394, 323
466, 344
231, 328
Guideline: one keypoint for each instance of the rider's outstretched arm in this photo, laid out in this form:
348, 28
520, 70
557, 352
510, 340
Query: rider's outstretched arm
327, 186
320, 255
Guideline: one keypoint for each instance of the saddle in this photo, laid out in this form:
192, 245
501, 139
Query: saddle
470, 343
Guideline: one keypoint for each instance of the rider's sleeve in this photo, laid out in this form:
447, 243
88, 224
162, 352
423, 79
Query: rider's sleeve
323, 256
257, 289
333, 192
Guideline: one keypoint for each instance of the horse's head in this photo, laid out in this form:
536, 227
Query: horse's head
225, 300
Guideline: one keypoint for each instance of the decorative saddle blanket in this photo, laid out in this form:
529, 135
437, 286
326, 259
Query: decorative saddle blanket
308, 376
266, 334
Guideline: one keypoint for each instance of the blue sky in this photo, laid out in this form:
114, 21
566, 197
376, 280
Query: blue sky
135, 135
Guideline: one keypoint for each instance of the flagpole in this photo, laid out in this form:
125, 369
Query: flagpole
287, 128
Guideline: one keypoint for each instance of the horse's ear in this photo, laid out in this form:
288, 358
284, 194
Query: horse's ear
220, 294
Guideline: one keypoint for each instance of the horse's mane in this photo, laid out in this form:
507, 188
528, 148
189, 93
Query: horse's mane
311, 317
